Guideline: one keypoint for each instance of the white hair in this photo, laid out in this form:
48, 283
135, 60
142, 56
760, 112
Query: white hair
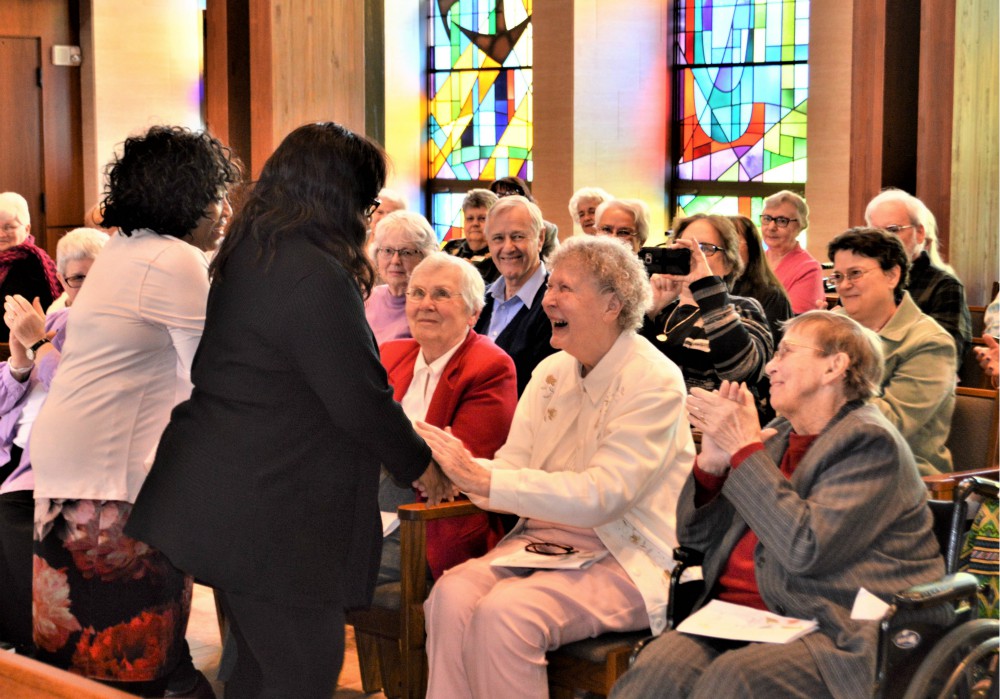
79, 244
14, 203
919, 215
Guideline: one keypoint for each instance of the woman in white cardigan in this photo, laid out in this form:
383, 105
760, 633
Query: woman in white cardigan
595, 460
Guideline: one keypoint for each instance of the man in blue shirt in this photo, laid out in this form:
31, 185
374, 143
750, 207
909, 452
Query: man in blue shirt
513, 315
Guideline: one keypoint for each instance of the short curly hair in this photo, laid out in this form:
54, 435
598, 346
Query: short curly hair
883, 247
615, 268
165, 179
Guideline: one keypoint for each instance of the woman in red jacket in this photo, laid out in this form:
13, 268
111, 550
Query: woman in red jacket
448, 376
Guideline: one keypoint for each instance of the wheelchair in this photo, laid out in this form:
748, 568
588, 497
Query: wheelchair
918, 657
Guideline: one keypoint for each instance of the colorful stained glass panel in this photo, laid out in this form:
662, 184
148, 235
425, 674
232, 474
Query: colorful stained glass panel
743, 85
479, 86
446, 215
751, 207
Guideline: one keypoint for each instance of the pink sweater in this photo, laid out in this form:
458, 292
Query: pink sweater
802, 277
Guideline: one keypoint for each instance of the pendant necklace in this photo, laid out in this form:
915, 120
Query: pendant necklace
665, 335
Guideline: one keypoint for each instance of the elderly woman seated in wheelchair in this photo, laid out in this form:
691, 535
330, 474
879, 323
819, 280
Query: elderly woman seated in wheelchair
596, 457
796, 520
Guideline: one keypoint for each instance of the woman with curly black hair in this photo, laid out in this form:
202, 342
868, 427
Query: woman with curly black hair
265, 484
106, 605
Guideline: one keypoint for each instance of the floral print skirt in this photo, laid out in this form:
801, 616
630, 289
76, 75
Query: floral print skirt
103, 604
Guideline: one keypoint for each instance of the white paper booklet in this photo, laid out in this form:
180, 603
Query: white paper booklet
390, 522
735, 622
527, 559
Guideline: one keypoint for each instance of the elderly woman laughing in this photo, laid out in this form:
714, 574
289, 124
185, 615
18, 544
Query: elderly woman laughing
594, 462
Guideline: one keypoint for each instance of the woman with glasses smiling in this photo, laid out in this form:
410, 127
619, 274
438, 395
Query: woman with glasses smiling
711, 335
402, 240
918, 387
786, 214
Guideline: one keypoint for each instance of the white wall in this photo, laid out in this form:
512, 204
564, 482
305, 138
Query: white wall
141, 66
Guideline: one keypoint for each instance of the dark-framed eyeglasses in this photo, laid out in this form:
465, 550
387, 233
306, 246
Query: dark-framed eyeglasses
547, 548
623, 233
437, 294
373, 207
76, 281
404, 253
709, 249
779, 221
852, 275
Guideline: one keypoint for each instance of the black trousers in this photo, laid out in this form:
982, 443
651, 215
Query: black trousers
17, 511
282, 650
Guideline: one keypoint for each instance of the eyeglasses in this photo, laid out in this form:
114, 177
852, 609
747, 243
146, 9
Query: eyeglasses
896, 229
783, 349
76, 281
852, 275
709, 249
546, 548
373, 207
623, 233
437, 294
779, 221
404, 253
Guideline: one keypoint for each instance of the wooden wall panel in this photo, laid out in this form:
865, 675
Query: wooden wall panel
868, 48
318, 54
827, 189
554, 85
54, 22
975, 155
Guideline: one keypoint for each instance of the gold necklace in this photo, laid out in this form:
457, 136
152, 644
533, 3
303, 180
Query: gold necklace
665, 335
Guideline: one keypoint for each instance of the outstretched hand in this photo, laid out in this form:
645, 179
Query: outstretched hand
455, 460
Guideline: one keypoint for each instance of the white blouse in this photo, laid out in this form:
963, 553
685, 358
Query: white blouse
130, 341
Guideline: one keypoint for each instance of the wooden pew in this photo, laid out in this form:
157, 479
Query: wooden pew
24, 678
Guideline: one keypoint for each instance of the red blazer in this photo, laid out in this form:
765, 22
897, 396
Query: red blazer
476, 397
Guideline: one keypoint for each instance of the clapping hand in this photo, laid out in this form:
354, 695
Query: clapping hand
989, 357
25, 320
455, 460
728, 421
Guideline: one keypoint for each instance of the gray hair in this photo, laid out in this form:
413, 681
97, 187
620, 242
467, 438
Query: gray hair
514, 201
801, 208
479, 199
919, 215
636, 207
79, 244
385, 194
473, 289
14, 203
586, 193
835, 333
411, 225
615, 268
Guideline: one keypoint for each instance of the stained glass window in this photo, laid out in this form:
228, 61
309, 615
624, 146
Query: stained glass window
690, 204
741, 83
479, 99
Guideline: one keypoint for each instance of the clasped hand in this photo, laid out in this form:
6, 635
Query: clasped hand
455, 460
728, 421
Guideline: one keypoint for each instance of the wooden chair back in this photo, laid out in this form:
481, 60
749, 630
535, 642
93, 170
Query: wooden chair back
977, 314
974, 425
25, 678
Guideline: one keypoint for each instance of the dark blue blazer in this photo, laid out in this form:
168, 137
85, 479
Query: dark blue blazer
526, 337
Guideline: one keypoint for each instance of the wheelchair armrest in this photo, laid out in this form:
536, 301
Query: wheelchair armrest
946, 589
688, 557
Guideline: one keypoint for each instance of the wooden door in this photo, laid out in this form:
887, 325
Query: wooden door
21, 160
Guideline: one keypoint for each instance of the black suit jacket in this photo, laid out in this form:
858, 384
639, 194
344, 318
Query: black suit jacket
526, 338
266, 481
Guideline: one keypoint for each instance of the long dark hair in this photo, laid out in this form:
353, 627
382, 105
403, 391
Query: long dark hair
757, 274
165, 179
317, 183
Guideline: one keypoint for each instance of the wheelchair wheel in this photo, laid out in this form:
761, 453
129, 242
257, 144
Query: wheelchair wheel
962, 665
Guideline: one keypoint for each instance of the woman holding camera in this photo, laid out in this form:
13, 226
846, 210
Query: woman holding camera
709, 334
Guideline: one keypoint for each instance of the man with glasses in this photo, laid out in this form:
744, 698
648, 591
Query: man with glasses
513, 315
785, 216
933, 284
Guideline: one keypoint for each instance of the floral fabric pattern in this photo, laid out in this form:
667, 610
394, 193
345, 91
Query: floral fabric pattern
105, 606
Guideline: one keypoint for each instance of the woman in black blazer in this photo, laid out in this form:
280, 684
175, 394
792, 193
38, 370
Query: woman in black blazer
265, 482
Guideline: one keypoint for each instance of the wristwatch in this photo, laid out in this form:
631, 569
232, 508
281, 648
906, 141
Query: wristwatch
30, 351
